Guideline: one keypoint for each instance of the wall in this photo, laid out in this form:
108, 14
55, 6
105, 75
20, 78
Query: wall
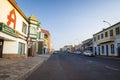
10, 47
5, 9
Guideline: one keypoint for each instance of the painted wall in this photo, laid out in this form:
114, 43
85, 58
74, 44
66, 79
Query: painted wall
5, 8
109, 48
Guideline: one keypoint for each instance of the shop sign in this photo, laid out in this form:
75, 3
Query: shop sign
12, 18
8, 30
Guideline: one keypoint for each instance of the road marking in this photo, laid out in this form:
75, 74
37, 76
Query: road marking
90, 61
108, 67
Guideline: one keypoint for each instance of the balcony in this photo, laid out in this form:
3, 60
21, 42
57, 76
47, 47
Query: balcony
105, 40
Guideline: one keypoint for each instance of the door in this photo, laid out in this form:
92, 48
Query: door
118, 51
1, 47
98, 50
40, 47
107, 50
30, 51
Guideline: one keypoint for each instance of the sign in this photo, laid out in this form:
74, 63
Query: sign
30, 44
12, 18
29, 39
8, 30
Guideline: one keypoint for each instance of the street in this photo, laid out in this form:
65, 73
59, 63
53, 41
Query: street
68, 66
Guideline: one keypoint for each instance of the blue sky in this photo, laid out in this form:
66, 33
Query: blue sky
72, 21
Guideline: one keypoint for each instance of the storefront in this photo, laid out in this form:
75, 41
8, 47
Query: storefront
13, 30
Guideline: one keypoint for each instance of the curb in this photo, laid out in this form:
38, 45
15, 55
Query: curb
109, 57
29, 72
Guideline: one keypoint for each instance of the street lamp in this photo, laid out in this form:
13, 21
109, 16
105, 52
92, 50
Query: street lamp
107, 23
75, 44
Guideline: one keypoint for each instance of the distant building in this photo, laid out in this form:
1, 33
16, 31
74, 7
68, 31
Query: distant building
47, 41
107, 41
79, 47
67, 48
87, 44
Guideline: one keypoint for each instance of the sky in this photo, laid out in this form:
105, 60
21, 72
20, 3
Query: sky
72, 21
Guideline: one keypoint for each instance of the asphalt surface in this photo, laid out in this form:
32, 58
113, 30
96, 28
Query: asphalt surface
67, 66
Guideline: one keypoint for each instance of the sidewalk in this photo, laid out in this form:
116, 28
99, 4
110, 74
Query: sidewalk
20, 69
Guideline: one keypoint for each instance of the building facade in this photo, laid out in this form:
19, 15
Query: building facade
107, 41
47, 41
68, 48
34, 36
13, 30
87, 45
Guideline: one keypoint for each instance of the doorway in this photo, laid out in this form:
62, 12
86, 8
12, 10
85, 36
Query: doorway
98, 50
40, 47
30, 51
106, 50
1, 47
118, 51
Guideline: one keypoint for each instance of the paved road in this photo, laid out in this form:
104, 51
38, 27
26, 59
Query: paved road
65, 66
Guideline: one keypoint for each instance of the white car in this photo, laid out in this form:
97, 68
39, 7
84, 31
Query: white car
88, 53
78, 52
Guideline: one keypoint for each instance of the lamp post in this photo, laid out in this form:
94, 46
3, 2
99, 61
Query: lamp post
107, 23
76, 43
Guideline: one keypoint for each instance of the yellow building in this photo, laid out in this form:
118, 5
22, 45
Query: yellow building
47, 41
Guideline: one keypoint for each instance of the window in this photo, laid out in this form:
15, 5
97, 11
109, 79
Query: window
45, 36
117, 30
24, 28
106, 34
21, 48
94, 38
39, 35
98, 37
101, 36
33, 30
102, 49
111, 32
112, 48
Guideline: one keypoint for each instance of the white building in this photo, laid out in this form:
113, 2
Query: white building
13, 30
107, 41
36, 37
67, 48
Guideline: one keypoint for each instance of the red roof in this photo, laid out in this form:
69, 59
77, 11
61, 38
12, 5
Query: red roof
45, 31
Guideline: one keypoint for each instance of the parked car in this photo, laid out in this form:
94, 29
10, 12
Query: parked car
55, 52
78, 52
88, 53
